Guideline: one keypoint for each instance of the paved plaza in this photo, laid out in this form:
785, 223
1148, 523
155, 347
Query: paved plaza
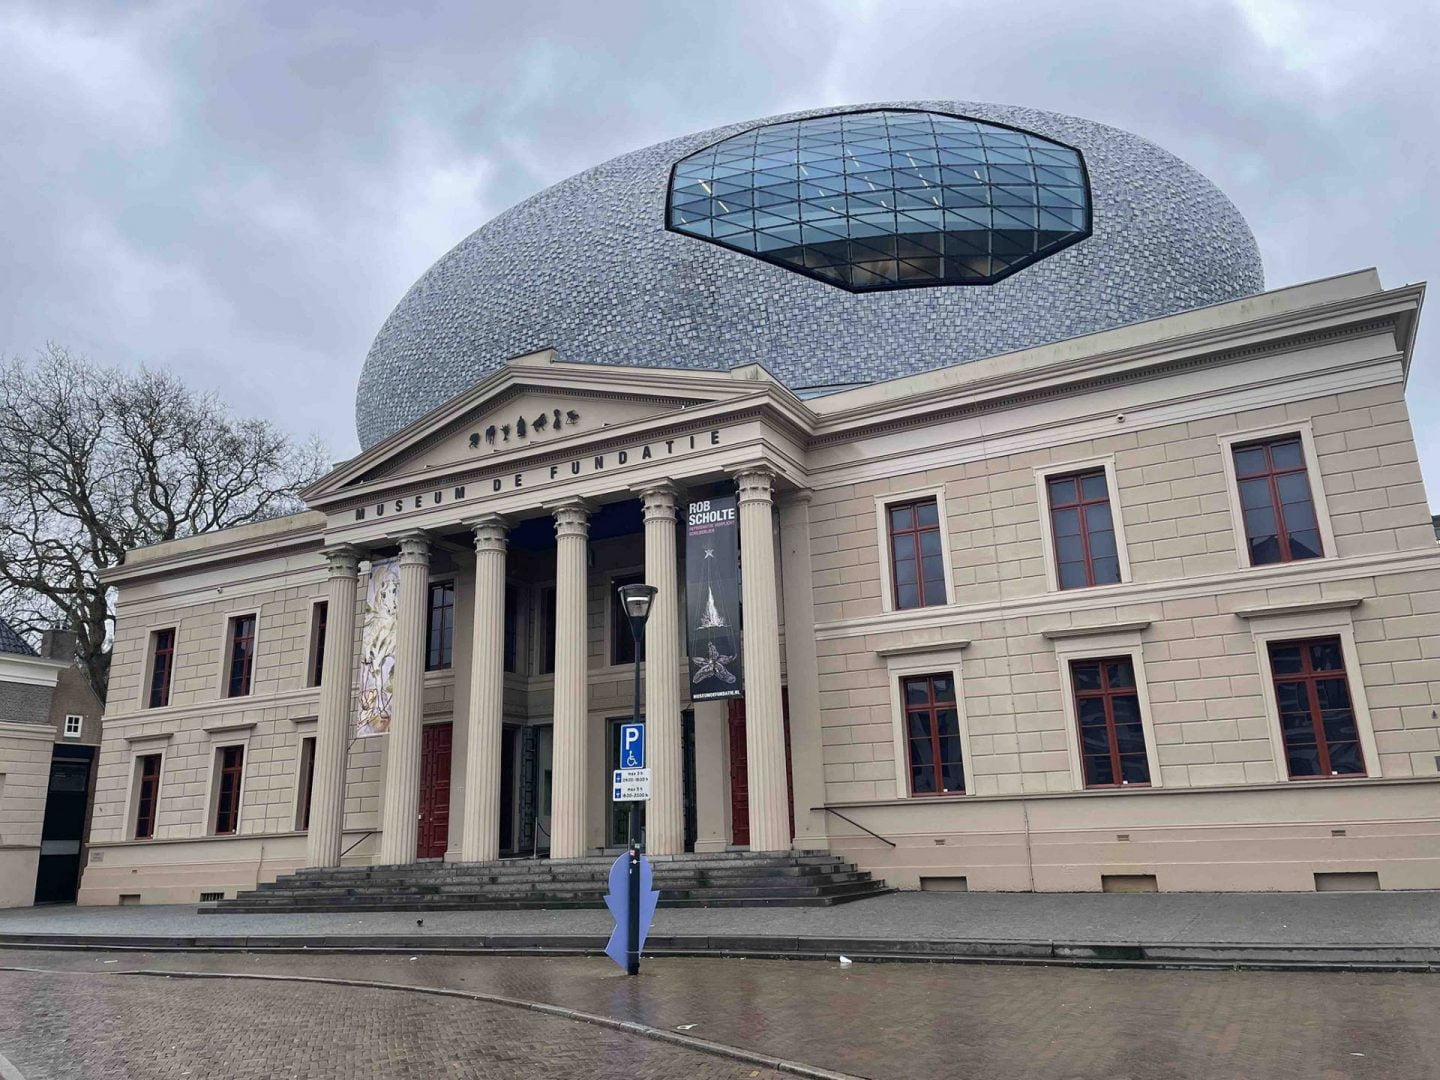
1377, 918
90, 1016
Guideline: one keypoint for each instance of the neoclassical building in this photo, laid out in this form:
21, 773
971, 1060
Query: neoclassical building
1068, 558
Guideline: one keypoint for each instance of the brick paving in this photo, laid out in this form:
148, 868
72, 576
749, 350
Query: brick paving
917, 1021
99, 1027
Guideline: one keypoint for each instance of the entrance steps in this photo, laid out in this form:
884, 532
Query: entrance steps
721, 879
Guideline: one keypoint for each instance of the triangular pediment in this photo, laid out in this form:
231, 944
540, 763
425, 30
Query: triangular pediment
530, 406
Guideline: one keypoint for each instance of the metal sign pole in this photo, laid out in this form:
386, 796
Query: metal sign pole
632, 945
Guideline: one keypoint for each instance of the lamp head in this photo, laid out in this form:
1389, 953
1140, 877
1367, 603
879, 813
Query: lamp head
636, 600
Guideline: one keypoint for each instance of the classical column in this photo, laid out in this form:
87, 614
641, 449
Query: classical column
665, 816
764, 716
480, 832
332, 734
401, 799
570, 764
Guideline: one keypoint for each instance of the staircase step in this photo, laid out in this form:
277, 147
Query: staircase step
717, 879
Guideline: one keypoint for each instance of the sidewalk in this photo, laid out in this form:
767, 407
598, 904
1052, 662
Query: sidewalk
1367, 930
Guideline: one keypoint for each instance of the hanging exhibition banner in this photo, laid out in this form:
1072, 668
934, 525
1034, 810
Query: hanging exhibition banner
377, 649
712, 598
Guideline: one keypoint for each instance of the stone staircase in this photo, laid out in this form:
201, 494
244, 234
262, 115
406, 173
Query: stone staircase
722, 879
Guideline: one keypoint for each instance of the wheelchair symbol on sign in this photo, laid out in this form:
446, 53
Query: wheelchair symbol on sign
632, 746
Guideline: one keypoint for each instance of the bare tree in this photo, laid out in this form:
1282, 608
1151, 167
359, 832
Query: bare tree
95, 461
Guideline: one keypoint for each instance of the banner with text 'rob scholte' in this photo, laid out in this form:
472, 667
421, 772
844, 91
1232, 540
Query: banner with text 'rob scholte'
712, 590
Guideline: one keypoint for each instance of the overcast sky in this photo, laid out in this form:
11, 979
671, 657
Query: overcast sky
242, 191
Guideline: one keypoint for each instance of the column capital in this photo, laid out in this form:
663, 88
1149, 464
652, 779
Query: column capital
490, 531
572, 518
754, 482
343, 561
659, 499
414, 548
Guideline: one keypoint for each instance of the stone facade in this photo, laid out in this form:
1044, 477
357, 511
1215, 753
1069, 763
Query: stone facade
1155, 407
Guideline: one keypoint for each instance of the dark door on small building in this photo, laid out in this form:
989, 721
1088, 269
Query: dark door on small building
434, 791
57, 878
739, 771
508, 736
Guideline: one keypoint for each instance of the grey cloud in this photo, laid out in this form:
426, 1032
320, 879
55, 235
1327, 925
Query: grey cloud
242, 192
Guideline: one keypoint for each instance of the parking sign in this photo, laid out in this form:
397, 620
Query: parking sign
632, 746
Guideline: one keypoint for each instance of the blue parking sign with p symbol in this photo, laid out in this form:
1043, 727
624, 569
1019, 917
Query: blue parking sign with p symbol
632, 746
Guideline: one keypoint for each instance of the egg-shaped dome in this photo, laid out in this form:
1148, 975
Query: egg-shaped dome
834, 246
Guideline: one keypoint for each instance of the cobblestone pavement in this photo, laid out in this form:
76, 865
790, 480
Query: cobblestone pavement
97, 1027
912, 1020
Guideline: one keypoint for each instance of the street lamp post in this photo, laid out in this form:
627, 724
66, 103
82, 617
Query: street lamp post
636, 600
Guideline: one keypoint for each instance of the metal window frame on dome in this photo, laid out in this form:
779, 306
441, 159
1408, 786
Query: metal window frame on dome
826, 220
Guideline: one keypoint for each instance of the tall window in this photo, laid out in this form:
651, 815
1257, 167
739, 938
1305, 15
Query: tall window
1317, 717
319, 619
440, 633
932, 730
148, 796
1084, 530
242, 655
917, 562
307, 783
162, 665
622, 642
230, 764
1112, 738
512, 628
1275, 501
545, 625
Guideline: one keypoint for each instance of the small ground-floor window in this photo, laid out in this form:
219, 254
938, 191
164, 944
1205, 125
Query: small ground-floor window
1317, 717
1112, 735
932, 731
148, 797
227, 800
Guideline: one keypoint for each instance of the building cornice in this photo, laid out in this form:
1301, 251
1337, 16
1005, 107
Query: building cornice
30, 670
226, 547
40, 732
955, 396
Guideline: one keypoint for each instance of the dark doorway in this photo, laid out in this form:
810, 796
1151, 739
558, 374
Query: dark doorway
57, 878
507, 789
739, 771
434, 833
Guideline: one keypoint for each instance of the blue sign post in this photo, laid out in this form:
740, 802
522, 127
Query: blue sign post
631, 901
632, 746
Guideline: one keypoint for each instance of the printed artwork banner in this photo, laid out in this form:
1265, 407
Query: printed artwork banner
712, 598
377, 649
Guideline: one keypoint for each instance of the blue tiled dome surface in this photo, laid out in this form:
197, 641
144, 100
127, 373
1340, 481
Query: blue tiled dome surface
588, 267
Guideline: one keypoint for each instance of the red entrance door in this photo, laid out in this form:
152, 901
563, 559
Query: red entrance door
740, 773
434, 791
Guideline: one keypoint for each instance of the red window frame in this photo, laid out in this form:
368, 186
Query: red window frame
307, 781
162, 666
911, 539
440, 627
242, 655
227, 798
1310, 677
1108, 689
1272, 475
147, 799
1083, 506
928, 714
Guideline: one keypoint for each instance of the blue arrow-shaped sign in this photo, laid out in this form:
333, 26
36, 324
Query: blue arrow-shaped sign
618, 901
